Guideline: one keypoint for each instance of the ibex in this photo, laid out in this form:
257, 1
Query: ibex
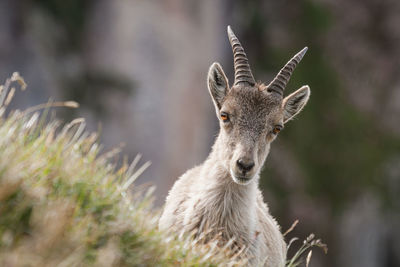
221, 196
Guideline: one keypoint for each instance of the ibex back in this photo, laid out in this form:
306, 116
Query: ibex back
221, 196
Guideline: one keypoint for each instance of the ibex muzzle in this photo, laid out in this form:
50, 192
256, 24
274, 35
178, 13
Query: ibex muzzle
243, 165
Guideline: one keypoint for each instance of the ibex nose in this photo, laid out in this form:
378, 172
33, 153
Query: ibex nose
245, 165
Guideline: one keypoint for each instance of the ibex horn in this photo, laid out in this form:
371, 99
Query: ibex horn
242, 68
278, 84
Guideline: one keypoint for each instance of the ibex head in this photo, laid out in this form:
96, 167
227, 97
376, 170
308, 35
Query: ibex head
251, 115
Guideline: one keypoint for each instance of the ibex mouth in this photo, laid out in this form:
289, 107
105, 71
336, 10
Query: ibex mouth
240, 179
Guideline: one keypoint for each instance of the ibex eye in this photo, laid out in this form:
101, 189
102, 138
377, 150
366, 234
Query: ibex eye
277, 129
224, 117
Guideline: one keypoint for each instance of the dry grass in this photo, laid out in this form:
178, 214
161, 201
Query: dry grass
63, 203
308, 244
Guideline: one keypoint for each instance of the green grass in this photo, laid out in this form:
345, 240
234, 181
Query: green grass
64, 203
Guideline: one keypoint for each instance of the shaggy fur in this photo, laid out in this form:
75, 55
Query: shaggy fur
219, 197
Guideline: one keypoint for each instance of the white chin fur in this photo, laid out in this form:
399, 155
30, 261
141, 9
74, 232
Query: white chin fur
240, 181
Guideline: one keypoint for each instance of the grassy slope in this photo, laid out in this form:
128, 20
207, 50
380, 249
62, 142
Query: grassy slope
64, 204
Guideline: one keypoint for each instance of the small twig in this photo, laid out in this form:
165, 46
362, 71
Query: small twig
5, 89
68, 104
308, 258
136, 175
291, 227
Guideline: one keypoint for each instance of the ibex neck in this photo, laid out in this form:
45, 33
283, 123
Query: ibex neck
228, 206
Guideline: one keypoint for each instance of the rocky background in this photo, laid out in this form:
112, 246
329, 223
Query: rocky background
139, 69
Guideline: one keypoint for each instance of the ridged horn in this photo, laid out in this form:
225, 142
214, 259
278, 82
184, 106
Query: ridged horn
280, 81
242, 68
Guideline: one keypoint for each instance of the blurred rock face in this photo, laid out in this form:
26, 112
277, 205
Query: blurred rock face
166, 50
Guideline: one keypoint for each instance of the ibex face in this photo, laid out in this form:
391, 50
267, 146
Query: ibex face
251, 115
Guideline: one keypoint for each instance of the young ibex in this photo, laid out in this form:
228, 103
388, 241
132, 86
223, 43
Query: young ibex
221, 196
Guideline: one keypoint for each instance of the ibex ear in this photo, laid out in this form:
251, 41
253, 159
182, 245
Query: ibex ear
295, 102
217, 84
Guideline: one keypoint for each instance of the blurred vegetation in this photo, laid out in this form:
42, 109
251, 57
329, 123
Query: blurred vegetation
338, 161
340, 150
63, 203
71, 15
